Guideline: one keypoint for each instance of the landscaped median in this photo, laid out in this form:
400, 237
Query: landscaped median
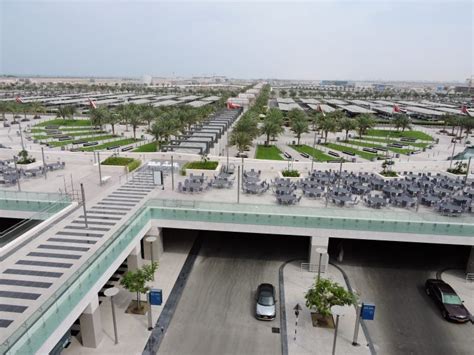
372, 145
146, 148
317, 154
80, 140
389, 140
400, 134
61, 123
269, 152
344, 148
130, 163
117, 143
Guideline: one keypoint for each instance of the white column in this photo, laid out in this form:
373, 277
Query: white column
157, 245
91, 325
134, 259
315, 243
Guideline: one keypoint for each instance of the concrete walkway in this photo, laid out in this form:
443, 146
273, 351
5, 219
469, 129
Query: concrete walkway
309, 339
132, 329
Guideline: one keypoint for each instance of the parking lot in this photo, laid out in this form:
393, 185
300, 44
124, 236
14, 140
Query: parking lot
216, 312
392, 276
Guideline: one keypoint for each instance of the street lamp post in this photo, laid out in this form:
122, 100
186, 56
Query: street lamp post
100, 171
15, 159
452, 154
44, 163
338, 311
172, 173
111, 292
84, 205
321, 251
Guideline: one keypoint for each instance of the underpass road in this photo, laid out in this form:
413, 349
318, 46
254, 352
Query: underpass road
216, 312
392, 276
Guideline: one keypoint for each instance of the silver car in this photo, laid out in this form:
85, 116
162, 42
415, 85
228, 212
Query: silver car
265, 308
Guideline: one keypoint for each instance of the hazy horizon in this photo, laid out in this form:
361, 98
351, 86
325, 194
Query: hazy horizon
316, 40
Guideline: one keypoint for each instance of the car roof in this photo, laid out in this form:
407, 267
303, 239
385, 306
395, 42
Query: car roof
442, 286
266, 287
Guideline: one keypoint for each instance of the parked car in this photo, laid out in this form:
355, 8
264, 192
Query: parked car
265, 308
451, 306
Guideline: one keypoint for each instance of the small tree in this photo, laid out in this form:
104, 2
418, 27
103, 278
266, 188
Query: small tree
326, 293
135, 281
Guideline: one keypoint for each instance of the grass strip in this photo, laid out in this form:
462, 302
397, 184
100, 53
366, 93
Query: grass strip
317, 154
400, 134
117, 143
269, 152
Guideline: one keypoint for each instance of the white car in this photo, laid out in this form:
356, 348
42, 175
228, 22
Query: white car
265, 308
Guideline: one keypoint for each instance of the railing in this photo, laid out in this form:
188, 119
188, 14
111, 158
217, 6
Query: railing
310, 218
30, 196
47, 318
470, 276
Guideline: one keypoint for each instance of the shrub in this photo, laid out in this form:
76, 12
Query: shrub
460, 168
204, 165
326, 293
130, 163
290, 173
25, 158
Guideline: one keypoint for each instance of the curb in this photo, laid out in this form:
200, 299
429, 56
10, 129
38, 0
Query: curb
283, 330
161, 326
362, 322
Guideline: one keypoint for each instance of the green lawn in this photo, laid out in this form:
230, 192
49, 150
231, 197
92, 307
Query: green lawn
316, 153
119, 142
204, 165
361, 153
270, 152
88, 139
372, 145
73, 134
62, 123
146, 148
399, 134
386, 140
131, 163
65, 129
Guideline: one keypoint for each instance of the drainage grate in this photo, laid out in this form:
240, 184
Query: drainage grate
275, 330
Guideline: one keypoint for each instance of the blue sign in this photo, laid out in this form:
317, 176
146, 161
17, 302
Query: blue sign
156, 296
367, 311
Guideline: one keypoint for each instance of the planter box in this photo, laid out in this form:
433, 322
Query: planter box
388, 178
37, 164
322, 322
294, 179
206, 172
454, 176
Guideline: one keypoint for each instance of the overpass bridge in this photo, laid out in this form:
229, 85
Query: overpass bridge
52, 280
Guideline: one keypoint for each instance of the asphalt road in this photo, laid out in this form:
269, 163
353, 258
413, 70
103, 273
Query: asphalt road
392, 276
216, 312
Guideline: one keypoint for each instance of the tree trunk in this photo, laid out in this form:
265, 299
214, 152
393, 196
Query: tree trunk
139, 306
347, 134
134, 134
113, 129
326, 136
268, 140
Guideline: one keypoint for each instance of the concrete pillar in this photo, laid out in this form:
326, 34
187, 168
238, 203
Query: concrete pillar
315, 243
91, 325
470, 262
157, 246
134, 259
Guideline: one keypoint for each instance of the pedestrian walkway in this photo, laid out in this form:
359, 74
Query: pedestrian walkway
132, 329
309, 339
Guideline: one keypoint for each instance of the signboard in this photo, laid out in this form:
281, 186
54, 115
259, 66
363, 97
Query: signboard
367, 311
156, 296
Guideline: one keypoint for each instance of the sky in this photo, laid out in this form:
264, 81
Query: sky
313, 40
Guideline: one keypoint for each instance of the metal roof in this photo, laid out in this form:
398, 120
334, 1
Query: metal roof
310, 101
335, 102
355, 109
424, 111
325, 108
288, 107
166, 103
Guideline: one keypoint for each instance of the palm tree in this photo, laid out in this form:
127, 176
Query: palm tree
148, 114
112, 118
36, 108
347, 124
298, 123
402, 121
163, 128
451, 120
98, 116
272, 124
4, 108
66, 111
364, 122
241, 140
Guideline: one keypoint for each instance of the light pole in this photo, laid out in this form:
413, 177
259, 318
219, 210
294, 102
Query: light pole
356, 329
172, 173
452, 154
314, 147
15, 159
111, 292
467, 171
338, 311
44, 162
100, 171
321, 251
84, 205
